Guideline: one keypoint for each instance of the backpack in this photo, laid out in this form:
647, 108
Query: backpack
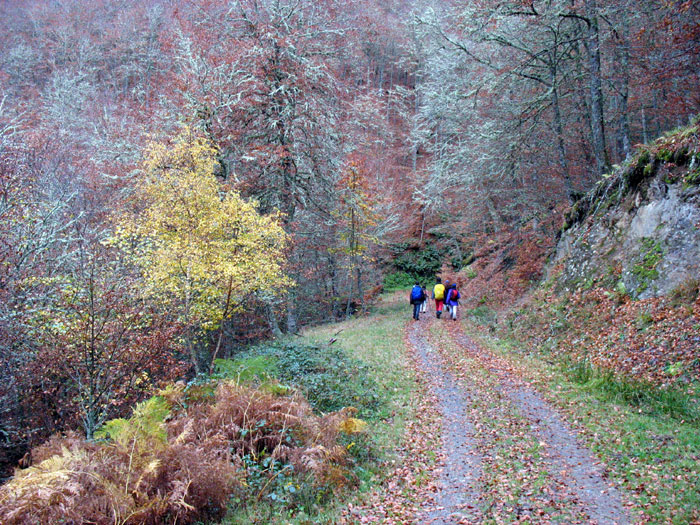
416, 294
439, 292
453, 295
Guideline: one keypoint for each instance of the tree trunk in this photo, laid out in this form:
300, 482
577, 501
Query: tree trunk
291, 315
623, 88
358, 273
563, 161
272, 320
596, 91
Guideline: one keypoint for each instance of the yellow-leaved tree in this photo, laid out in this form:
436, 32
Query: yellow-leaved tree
200, 246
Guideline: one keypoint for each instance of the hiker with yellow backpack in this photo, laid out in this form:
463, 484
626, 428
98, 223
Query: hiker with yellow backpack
439, 296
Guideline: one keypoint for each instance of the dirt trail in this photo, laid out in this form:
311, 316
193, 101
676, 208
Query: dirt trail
457, 497
577, 481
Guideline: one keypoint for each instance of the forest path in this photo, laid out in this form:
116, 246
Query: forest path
505, 454
457, 494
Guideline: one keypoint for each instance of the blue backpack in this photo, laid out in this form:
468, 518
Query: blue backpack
416, 294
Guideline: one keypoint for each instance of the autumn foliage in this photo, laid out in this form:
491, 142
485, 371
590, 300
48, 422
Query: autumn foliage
179, 179
180, 457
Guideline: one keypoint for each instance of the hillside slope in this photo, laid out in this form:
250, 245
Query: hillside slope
620, 289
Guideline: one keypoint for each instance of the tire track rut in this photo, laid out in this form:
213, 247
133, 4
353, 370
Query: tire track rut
457, 497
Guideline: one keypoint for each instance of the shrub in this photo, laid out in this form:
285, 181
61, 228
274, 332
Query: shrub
327, 376
398, 281
421, 264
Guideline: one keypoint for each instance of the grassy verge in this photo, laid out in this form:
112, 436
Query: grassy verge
377, 341
649, 437
365, 367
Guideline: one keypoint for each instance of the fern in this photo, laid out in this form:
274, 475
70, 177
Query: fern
145, 424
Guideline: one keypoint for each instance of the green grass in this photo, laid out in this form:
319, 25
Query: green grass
482, 315
650, 399
649, 437
377, 340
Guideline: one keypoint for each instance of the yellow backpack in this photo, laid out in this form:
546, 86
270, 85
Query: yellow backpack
439, 291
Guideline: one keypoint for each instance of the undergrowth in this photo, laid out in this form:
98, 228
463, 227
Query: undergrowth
645, 397
329, 378
199, 451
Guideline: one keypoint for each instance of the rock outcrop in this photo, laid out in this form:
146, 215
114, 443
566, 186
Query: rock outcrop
638, 231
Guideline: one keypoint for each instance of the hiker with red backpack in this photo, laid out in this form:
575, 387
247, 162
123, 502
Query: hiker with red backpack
452, 300
447, 290
417, 298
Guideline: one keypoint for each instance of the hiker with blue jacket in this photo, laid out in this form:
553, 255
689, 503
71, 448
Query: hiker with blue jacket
452, 300
417, 298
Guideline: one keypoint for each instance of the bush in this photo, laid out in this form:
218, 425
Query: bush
421, 265
326, 375
398, 281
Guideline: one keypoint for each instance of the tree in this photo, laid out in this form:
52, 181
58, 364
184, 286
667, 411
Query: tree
263, 92
357, 227
36, 230
102, 344
200, 246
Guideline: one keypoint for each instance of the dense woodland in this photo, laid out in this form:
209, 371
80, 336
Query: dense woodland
180, 178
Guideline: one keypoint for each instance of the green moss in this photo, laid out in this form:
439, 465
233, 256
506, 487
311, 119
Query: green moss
692, 178
645, 271
665, 155
644, 158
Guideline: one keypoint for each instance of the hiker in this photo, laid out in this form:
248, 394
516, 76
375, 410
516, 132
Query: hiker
439, 296
417, 298
447, 290
453, 300
424, 304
